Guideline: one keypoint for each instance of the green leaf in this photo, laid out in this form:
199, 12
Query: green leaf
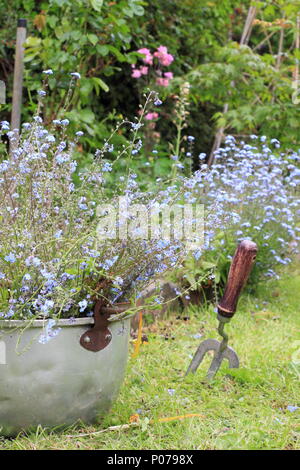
86, 115
77, 35
96, 4
208, 265
93, 38
30, 55
100, 83
138, 10
32, 41
51, 21
102, 50
297, 54
293, 123
128, 12
86, 86
117, 53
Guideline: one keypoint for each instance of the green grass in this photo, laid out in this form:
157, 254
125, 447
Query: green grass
244, 409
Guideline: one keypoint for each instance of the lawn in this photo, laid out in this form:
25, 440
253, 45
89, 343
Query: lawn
253, 407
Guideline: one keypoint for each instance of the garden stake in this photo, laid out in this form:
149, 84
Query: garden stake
238, 274
18, 75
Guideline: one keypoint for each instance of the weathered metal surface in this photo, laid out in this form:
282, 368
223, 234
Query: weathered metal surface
58, 383
213, 345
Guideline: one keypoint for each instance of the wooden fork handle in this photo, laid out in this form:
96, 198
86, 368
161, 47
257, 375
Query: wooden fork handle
240, 269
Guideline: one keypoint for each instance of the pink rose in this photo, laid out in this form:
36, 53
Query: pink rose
168, 75
144, 70
163, 56
166, 60
148, 59
151, 116
162, 50
162, 81
136, 73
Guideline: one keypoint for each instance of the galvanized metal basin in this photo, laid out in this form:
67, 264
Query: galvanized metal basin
58, 383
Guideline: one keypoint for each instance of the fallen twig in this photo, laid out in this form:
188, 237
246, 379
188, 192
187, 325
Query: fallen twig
120, 427
137, 423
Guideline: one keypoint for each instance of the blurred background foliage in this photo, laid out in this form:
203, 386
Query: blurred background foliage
99, 39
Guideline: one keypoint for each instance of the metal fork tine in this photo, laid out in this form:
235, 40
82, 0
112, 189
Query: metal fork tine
213, 345
205, 346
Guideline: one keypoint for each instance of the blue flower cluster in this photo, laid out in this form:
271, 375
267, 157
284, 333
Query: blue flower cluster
250, 192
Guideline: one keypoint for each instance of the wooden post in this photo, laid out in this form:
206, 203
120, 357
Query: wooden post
297, 47
18, 76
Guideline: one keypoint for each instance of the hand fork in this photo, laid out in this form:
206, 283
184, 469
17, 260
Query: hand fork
240, 269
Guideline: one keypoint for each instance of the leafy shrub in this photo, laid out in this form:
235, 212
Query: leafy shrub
91, 36
99, 39
259, 95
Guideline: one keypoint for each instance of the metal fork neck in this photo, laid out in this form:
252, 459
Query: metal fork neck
222, 322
